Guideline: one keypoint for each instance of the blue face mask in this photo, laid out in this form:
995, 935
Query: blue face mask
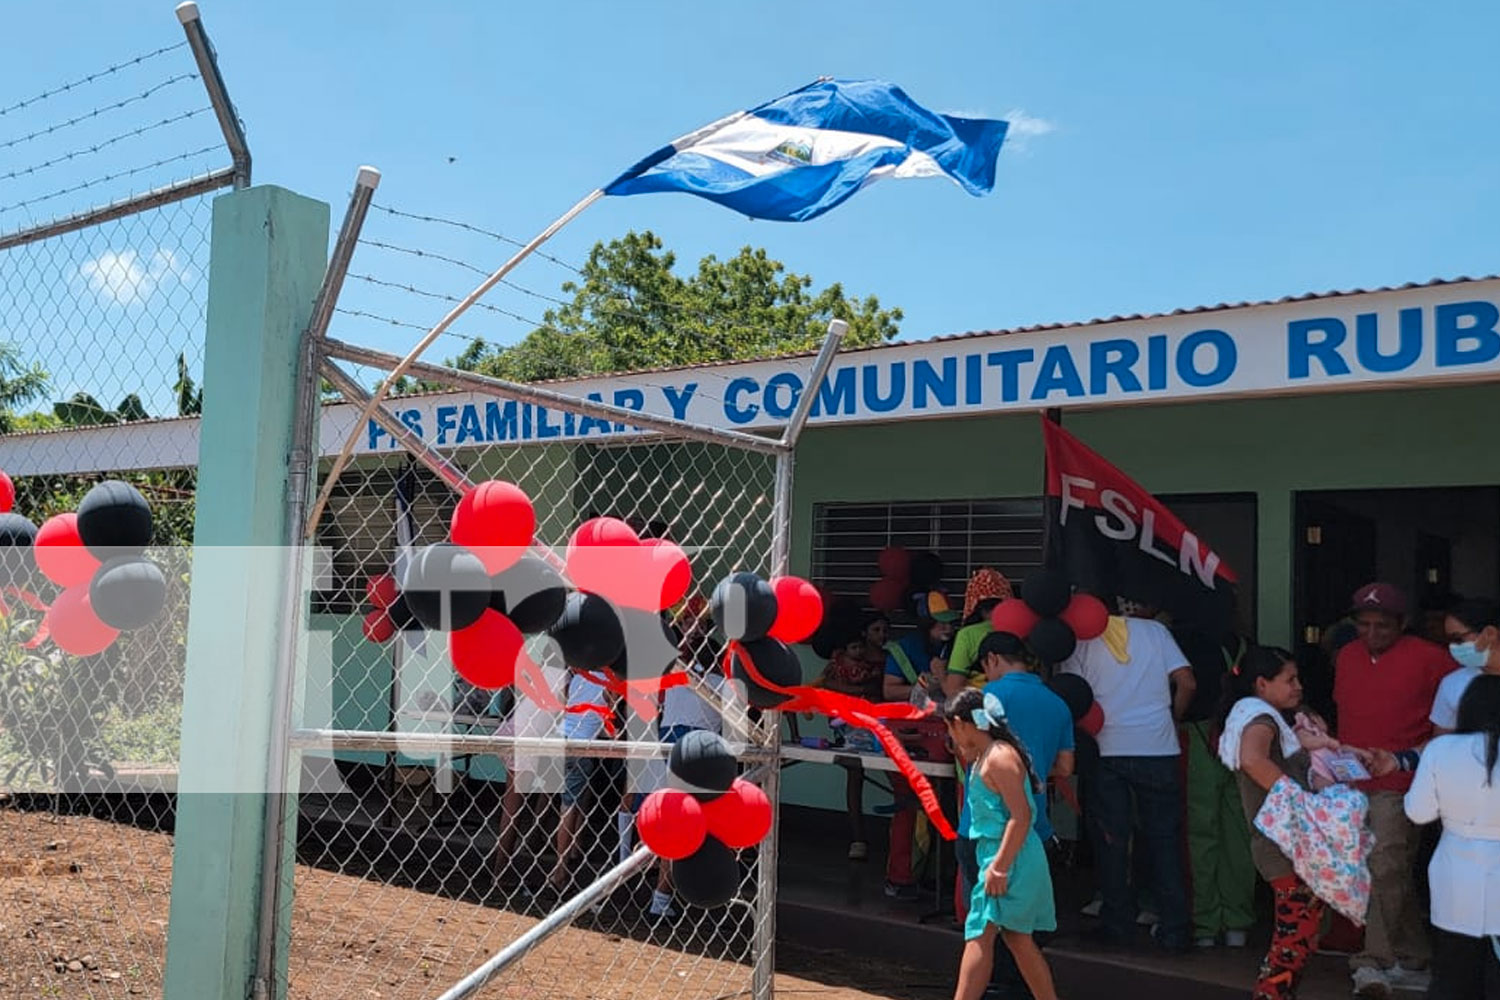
1466, 655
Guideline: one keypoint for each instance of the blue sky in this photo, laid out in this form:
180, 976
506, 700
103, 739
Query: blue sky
1166, 155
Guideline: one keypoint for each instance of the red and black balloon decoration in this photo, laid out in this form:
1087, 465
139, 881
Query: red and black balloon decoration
703, 817
1050, 616
96, 556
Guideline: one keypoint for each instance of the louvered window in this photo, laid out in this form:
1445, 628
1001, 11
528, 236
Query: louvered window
968, 534
357, 535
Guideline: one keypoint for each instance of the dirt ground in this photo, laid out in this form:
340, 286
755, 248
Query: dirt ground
84, 904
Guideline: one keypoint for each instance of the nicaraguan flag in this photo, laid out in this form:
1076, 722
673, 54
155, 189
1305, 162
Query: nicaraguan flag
796, 157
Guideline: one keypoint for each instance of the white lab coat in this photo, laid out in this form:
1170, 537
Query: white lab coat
1465, 871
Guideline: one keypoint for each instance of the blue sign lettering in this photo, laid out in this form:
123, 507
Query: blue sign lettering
629, 399
1467, 322
1367, 342
874, 401
1058, 372
500, 420
447, 420
469, 428
925, 379
775, 406
586, 425
1302, 348
736, 413
1009, 363
1156, 362
1226, 357
973, 379
836, 394
1117, 358
678, 399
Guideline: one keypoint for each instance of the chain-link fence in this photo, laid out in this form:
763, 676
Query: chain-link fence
105, 181
446, 828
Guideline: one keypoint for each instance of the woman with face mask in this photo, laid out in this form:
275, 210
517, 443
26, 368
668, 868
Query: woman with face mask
1473, 629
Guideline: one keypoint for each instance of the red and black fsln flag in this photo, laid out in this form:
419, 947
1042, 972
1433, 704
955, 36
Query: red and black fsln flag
1113, 539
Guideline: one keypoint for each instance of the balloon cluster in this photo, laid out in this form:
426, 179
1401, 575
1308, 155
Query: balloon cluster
763, 617
96, 555
491, 586
1078, 695
1050, 617
703, 818
903, 572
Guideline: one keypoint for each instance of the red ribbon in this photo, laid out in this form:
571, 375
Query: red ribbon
35, 603
855, 712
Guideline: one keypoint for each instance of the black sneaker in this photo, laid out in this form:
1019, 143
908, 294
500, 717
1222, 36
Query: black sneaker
905, 893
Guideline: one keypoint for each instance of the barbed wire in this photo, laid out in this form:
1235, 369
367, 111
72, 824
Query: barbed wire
143, 95
508, 283
91, 78
501, 237
406, 325
110, 177
426, 294
96, 147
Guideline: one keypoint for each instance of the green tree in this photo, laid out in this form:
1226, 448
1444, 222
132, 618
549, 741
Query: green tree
629, 309
83, 410
189, 393
19, 384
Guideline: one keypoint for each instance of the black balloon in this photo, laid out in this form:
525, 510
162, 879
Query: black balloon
128, 592
743, 606
773, 661
400, 612
1075, 693
1052, 640
1047, 592
650, 645
531, 594
926, 571
588, 632
113, 520
709, 877
446, 587
17, 558
702, 764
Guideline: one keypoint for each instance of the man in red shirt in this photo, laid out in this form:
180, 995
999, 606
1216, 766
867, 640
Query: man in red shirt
1384, 686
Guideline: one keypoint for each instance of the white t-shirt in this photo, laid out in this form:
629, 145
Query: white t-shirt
1136, 696
681, 706
1449, 693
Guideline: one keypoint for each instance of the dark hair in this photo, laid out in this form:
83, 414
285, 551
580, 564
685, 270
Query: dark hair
1009, 646
1257, 663
1478, 613
962, 706
1479, 712
981, 610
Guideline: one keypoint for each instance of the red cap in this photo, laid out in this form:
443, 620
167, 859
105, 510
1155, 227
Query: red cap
1383, 597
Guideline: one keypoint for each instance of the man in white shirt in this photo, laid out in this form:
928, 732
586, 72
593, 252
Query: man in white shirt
1143, 686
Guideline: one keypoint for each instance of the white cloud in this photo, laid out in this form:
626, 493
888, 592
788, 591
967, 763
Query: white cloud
125, 277
1024, 128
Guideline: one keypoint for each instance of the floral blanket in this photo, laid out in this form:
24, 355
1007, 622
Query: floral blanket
1325, 837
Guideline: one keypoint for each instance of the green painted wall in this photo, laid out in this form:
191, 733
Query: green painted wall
1269, 447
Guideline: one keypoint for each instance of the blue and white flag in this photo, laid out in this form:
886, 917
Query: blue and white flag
796, 157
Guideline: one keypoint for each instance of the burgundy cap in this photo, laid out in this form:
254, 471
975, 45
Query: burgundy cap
1386, 597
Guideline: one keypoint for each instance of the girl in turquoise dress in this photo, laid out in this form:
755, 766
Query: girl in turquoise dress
1014, 894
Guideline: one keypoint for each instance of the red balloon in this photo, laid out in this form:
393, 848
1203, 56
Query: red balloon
495, 521
485, 653
741, 817
7, 493
671, 823
382, 591
60, 553
667, 575
1086, 615
605, 558
74, 626
379, 626
799, 609
1015, 616
887, 594
895, 563
1093, 720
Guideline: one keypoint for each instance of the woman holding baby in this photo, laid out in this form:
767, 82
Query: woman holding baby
1278, 751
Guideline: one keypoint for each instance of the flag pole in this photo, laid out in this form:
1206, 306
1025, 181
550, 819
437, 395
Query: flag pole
1053, 415
458, 310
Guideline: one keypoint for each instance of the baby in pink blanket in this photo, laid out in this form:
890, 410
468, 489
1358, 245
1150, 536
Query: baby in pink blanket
1331, 763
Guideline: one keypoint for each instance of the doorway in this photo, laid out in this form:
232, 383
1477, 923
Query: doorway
1436, 544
